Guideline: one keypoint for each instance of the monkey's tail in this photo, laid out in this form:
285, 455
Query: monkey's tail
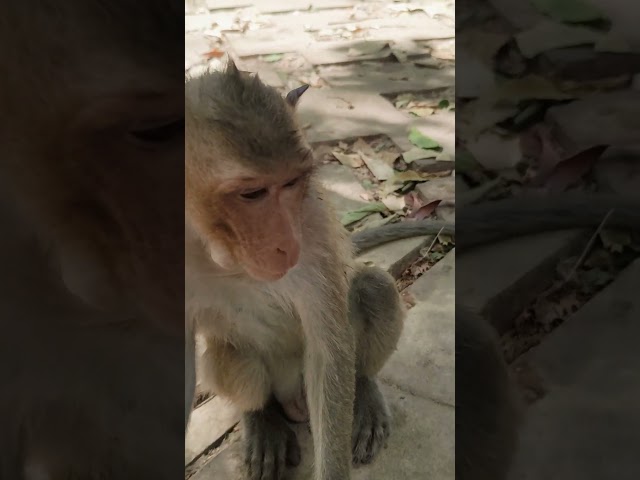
501, 219
366, 239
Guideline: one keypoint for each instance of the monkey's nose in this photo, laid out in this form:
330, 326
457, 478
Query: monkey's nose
290, 254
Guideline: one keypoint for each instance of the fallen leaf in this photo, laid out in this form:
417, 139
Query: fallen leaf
531, 87
445, 239
420, 140
428, 63
352, 160
362, 146
615, 240
274, 57
495, 152
394, 203
355, 215
569, 172
425, 210
413, 200
400, 55
570, 11
215, 53
366, 48
475, 194
595, 279
411, 176
378, 167
421, 111
444, 157
612, 42
549, 35
540, 144
418, 154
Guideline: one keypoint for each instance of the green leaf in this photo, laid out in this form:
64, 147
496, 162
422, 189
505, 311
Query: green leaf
274, 57
444, 103
569, 11
420, 140
355, 215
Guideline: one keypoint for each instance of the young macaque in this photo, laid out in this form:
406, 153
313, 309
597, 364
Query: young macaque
295, 329
91, 192
487, 404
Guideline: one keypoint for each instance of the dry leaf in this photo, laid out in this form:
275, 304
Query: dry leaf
615, 240
495, 152
352, 160
367, 48
569, 172
425, 210
215, 53
418, 154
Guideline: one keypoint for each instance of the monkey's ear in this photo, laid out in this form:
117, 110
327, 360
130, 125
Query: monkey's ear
232, 69
294, 95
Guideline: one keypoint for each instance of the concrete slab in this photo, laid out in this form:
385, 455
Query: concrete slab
440, 127
387, 78
424, 363
268, 41
227, 4
210, 421
195, 46
601, 119
500, 279
421, 446
344, 190
396, 257
278, 6
340, 114
587, 426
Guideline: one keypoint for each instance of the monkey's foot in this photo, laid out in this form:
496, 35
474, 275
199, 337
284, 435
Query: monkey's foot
270, 445
371, 421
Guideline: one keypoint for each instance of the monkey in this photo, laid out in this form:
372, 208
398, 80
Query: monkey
488, 407
92, 297
295, 330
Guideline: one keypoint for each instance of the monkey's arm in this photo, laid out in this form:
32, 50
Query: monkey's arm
329, 372
485, 222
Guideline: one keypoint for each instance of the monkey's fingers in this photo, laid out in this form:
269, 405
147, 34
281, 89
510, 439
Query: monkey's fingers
254, 458
293, 455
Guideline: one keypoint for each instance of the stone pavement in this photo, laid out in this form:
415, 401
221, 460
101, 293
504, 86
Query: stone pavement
586, 427
365, 61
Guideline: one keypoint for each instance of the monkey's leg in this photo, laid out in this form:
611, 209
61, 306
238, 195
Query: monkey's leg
270, 443
377, 314
240, 376
243, 377
487, 405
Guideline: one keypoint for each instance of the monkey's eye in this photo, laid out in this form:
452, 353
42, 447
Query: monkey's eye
292, 182
160, 133
255, 194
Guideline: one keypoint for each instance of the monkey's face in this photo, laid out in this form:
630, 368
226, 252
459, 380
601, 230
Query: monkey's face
256, 224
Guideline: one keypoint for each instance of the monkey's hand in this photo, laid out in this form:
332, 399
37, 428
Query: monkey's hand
371, 421
270, 444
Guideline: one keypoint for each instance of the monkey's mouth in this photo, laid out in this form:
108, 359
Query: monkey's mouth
265, 275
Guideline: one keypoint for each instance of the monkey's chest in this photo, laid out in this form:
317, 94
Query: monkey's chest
268, 326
